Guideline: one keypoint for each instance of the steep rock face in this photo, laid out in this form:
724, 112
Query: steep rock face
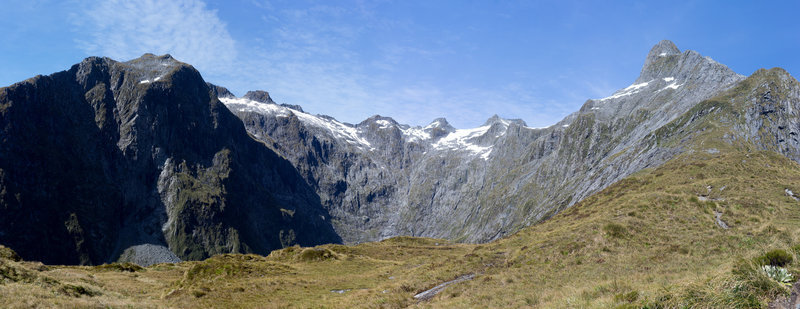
380, 178
108, 156
764, 110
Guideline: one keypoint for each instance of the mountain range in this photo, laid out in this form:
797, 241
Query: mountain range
144, 161
380, 179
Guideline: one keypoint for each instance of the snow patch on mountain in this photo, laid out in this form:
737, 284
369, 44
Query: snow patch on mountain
461, 140
384, 124
632, 89
247, 105
335, 128
436, 124
415, 134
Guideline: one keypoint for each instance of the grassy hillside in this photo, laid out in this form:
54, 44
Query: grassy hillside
651, 240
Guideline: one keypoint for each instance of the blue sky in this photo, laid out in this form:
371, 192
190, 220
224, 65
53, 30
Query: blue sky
411, 60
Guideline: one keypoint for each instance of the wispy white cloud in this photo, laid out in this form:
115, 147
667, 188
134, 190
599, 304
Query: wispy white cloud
186, 29
314, 57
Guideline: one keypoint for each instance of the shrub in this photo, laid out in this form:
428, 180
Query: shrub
614, 230
628, 297
76, 290
777, 257
314, 254
130, 267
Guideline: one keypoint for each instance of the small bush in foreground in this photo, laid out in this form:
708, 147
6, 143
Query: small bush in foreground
777, 257
315, 254
130, 267
614, 230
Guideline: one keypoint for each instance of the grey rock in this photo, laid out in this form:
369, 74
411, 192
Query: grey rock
475, 185
259, 96
148, 254
219, 91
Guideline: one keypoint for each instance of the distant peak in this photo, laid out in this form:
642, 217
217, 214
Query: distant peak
259, 96
496, 119
665, 60
439, 127
379, 120
219, 91
152, 65
438, 122
773, 73
148, 57
656, 57
664, 48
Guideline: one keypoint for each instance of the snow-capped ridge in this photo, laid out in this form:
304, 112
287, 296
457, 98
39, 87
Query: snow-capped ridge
630, 90
465, 140
338, 129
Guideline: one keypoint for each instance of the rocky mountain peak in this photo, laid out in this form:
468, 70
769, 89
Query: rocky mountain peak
439, 127
259, 96
665, 60
152, 67
664, 48
497, 119
379, 122
438, 123
219, 91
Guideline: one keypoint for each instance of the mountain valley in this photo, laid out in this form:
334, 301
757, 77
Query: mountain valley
666, 194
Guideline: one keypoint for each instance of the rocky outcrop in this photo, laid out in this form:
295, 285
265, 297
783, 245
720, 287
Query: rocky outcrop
111, 155
219, 91
259, 96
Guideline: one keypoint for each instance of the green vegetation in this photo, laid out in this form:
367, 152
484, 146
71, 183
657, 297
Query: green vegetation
779, 274
777, 257
129, 267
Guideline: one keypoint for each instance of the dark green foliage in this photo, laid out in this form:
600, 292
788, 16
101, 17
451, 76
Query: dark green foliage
232, 266
317, 254
76, 290
627, 297
614, 230
129, 267
200, 293
777, 257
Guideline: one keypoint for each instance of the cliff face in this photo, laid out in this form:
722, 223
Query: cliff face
380, 178
108, 157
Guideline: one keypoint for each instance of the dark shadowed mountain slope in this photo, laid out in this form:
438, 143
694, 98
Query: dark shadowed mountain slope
112, 158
